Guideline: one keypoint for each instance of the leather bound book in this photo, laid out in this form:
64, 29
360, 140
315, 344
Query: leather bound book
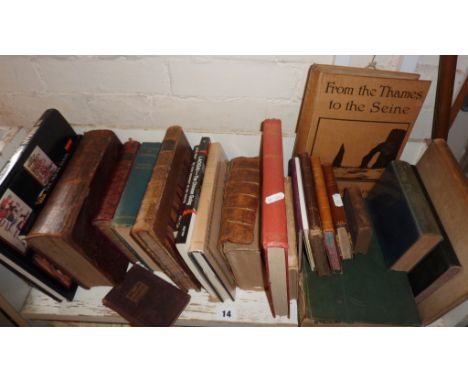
293, 261
338, 213
239, 237
157, 218
103, 220
447, 187
358, 218
402, 218
325, 215
144, 299
315, 230
274, 221
203, 249
63, 233
129, 204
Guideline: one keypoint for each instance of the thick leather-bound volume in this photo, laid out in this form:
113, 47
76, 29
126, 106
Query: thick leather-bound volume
103, 220
26, 182
144, 299
358, 218
204, 250
338, 212
325, 215
64, 233
358, 118
447, 187
239, 238
402, 217
293, 260
313, 214
130, 201
274, 221
367, 293
157, 218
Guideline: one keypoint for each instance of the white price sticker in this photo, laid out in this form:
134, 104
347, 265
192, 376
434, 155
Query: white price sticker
337, 200
274, 198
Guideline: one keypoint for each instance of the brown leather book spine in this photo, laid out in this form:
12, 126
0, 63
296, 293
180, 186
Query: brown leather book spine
325, 215
103, 220
63, 232
338, 212
313, 215
157, 217
44, 264
359, 222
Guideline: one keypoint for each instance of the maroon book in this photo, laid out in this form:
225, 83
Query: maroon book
144, 299
103, 219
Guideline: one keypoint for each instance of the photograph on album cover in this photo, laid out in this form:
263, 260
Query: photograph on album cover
40, 166
14, 214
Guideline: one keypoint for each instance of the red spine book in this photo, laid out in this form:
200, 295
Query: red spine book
103, 219
274, 223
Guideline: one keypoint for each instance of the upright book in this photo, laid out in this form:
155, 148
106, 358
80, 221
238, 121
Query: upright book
402, 217
129, 204
293, 260
144, 299
274, 221
447, 187
157, 217
358, 118
64, 232
239, 237
103, 220
338, 213
203, 249
26, 182
188, 216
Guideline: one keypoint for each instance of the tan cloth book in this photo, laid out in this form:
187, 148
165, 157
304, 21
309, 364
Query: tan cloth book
293, 261
203, 250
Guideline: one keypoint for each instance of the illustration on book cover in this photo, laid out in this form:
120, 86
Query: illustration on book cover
40, 166
14, 214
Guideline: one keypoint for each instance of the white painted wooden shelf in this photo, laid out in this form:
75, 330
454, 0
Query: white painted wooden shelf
251, 308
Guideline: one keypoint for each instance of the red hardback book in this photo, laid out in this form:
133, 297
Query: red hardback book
103, 219
274, 223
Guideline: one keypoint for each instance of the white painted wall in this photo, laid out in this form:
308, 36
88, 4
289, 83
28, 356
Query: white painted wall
216, 94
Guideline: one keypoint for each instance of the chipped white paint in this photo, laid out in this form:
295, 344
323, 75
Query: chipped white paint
249, 309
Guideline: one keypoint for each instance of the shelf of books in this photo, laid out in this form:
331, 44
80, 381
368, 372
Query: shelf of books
250, 308
347, 223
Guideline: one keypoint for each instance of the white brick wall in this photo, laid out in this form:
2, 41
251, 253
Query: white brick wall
201, 93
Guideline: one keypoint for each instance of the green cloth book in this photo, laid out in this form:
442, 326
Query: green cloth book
130, 201
367, 293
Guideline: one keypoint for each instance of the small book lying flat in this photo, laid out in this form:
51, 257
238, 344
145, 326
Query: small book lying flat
144, 299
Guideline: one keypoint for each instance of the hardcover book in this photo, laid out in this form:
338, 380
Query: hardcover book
313, 214
63, 233
402, 217
293, 261
157, 217
188, 217
239, 237
367, 293
297, 210
144, 299
325, 216
26, 182
204, 251
130, 201
358, 118
358, 218
103, 220
338, 213
447, 187
274, 221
